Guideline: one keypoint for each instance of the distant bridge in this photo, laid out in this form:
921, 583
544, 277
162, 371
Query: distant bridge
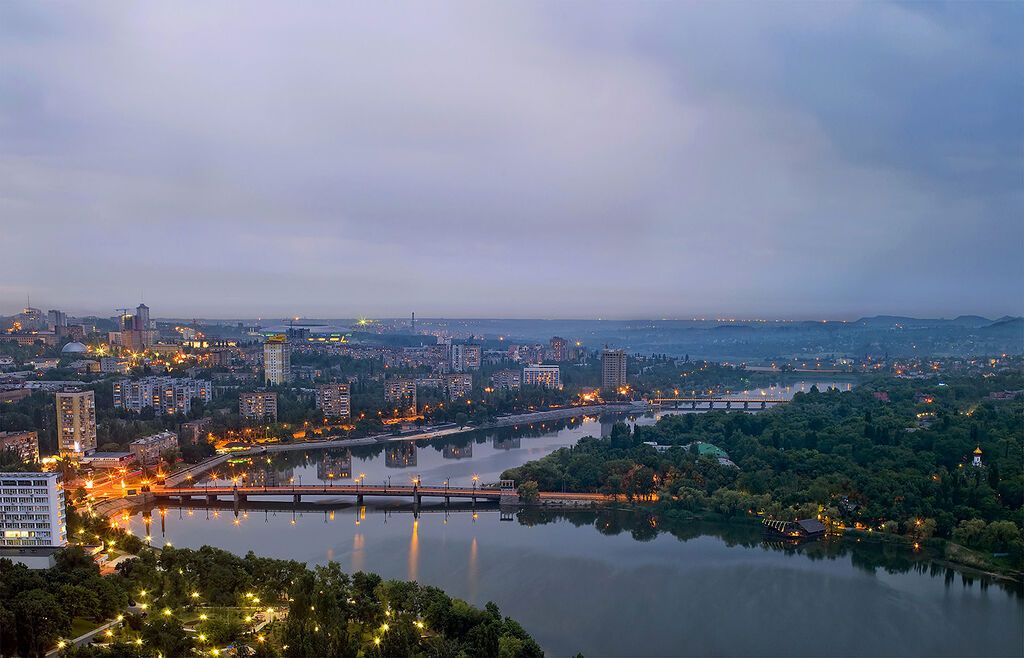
506, 493
717, 403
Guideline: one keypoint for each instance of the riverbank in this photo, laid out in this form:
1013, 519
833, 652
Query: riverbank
194, 471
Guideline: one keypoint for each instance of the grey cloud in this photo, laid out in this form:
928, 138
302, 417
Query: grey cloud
556, 159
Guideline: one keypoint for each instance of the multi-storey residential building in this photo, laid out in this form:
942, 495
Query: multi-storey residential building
539, 375
613, 369
458, 385
32, 512
526, 353
506, 379
195, 431
24, 444
558, 349
76, 423
334, 400
167, 395
258, 405
402, 394
112, 364
277, 361
465, 357
148, 449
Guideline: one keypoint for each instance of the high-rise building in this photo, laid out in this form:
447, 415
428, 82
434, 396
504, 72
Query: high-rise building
559, 349
465, 357
506, 379
334, 400
277, 361
258, 405
167, 395
76, 423
545, 376
56, 320
458, 385
402, 394
142, 318
613, 369
23, 444
33, 511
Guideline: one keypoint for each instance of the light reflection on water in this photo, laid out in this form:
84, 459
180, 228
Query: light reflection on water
613, 584
607, 583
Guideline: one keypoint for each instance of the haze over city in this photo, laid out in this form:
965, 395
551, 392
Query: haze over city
566, 160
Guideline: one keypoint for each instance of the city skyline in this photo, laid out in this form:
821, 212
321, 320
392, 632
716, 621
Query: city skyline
527, 160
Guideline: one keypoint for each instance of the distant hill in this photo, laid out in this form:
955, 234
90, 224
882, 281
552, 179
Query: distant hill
1007, 326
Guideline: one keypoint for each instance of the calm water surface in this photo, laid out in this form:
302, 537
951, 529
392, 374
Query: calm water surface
608, 583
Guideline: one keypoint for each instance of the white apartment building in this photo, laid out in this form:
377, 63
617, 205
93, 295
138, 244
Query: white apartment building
546, 376
32, 511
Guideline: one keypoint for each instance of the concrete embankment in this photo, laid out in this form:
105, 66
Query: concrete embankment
195, 470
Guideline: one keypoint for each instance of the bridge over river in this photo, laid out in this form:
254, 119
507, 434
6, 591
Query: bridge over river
734, 404
505, 493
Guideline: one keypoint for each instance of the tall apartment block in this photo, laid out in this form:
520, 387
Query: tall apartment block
33, 512
259, 405
613, 369
466, 357
402, 394
76, 423
334, 400
277, 361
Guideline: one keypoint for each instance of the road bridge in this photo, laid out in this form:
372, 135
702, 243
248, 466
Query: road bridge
505, 493
736, 404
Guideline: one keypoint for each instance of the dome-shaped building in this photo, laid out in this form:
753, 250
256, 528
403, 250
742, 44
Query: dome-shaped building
74, 347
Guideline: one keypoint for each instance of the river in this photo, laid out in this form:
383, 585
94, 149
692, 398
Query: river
609, 582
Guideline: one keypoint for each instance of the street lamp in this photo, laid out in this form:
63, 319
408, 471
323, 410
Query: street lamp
476, 478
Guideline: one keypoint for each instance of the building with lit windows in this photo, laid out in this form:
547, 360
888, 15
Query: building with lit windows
544, 376
465, 357
334, 400
613, 369
32, 518
148, 449
277, 361
24, 444
258, 405
76, 423
166, 395
558, 349
401, 393
508, 380
458, 385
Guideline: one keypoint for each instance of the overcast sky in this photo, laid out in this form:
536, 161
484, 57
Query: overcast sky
560, 159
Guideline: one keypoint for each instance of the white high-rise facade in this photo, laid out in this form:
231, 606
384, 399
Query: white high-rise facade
32, 511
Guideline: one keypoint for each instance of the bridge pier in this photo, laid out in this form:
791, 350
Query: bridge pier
418, 498
746, 405
211, 498
359, 499
297, 498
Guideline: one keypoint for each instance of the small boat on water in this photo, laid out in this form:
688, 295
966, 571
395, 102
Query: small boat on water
801, 530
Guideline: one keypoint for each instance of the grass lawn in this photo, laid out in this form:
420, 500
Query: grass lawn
80, 626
